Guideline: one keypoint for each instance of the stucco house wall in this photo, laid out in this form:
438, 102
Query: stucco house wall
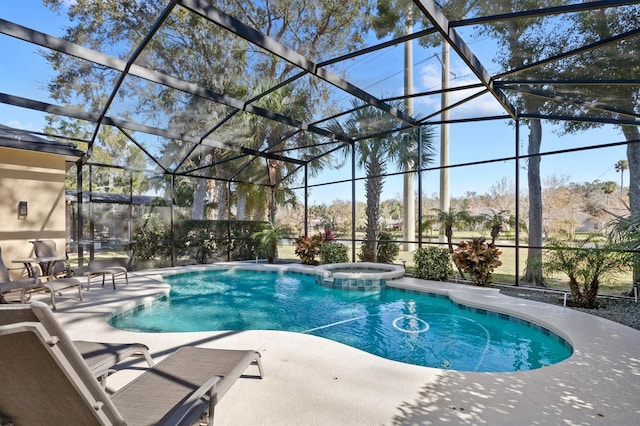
37, 178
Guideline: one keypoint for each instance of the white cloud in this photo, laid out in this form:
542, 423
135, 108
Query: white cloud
429, 78
17, 124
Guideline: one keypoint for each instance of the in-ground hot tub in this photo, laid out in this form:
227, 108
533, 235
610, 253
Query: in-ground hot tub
357, 276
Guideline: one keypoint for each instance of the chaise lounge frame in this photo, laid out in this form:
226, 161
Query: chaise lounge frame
45, 380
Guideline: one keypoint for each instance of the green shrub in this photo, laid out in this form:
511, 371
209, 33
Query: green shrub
334, 253
207, 240
432, 263
243, 246
149, 241
388, 249
203, 244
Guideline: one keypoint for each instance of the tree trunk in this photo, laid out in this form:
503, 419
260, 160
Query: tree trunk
373, 191
222, 192
448, 232
241, 202
272, 166
574, 286
495, 231
273, 252
200, 194
533, 271
590, 295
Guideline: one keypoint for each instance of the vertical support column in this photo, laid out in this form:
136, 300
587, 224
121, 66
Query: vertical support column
229, 221
517, 203
172, 182
79, 214
92, 222
130, 223
353, 202
409, 201
306, 200
419, 129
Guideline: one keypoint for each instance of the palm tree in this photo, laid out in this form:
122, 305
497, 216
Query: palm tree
267, 135
377, 142
585, 263
621, 166
608, 188
267, 240
428, 223
451, 219
496, 222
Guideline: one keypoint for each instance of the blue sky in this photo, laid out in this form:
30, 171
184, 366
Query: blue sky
380, 74
480, 141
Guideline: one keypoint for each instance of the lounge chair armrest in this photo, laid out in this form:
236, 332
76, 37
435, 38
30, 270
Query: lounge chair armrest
17, 268
32, 272
190, 409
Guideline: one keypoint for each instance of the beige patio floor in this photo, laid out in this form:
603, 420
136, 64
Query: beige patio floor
313, 381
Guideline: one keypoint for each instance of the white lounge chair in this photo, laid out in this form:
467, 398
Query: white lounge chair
52, 264
34, 284
101, 357
45, 380
8, 285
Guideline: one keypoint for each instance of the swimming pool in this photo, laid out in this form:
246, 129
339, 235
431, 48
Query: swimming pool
415, 328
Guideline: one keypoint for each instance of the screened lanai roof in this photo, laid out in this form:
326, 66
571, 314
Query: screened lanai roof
193, 83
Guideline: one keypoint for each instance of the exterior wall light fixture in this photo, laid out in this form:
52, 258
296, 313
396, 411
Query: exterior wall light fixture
22, 210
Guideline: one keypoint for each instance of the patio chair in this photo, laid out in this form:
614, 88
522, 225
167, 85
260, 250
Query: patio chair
101, 357
102, 271
53, 287
52, 264
46, 381
55, 265
7, 285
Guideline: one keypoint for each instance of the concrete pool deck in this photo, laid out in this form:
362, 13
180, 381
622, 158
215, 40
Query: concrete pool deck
312, 381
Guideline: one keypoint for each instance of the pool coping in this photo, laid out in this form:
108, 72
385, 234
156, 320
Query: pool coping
310, 380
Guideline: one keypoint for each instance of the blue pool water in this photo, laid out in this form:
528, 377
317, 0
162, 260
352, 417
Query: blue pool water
415, 328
